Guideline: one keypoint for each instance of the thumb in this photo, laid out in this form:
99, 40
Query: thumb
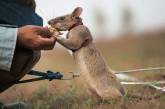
48, 43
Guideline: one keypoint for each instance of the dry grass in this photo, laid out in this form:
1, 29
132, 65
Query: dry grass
121, 54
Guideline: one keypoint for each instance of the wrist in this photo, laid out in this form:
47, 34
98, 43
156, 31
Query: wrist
19, 34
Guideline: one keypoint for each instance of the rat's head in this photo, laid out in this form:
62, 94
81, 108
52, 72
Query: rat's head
66, 22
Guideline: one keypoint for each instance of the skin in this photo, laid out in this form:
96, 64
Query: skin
90, 63
35, 38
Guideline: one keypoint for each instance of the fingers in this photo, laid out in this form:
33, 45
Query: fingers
44, 32
47, 43
47, 39
35, 38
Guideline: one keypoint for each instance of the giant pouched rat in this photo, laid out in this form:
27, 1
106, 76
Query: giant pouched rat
90, 62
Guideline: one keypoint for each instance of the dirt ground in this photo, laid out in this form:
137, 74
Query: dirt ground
126, 52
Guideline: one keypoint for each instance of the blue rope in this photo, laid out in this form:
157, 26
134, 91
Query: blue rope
49, 75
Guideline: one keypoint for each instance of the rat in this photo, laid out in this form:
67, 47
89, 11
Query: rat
90, 63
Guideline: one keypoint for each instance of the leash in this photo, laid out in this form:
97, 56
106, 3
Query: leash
140, 70
49, 75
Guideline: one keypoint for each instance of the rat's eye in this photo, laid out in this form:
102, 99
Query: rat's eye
62, 18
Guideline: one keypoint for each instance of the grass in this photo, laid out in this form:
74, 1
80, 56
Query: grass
120, 54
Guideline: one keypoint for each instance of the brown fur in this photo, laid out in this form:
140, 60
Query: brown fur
63, 23
90, 63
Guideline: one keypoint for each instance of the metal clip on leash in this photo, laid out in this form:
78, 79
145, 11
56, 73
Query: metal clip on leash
49, 75
71, 77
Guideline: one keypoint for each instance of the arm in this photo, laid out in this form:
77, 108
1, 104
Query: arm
8, 37
30, 37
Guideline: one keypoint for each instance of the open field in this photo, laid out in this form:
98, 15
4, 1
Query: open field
134, 51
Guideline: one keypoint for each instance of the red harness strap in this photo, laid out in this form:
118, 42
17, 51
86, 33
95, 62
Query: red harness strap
76, 24
87, 41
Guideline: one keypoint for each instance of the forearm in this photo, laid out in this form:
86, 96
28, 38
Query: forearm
8, 37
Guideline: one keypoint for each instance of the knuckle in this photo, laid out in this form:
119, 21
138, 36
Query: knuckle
36, 44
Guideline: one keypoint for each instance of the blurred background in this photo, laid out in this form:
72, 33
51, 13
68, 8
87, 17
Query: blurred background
129, 34
109, 16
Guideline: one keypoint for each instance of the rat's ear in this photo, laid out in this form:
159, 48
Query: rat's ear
77, 12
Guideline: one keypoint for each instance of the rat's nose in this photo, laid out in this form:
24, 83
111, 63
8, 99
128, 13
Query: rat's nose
50, 22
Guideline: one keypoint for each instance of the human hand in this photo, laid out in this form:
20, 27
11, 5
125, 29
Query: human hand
35, 38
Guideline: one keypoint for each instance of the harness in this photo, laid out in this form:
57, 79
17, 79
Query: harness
86, 42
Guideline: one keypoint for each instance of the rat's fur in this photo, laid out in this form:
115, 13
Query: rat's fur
90, 63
